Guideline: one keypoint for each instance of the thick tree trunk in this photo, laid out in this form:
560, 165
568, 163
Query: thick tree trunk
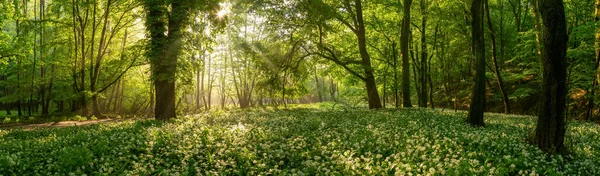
404, 47
550, 130
95, 106
495, 61
164, 51
477, 106
165, 99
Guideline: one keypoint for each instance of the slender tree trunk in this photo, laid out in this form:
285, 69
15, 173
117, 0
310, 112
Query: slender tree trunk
19, 97
318, 85
415, 69
332, 89
50, 86
198, 86
404, 49
435, 45
591, 103
210, 82
43, 60
477, 107
423, 63
550, 130
202, 86
383, 97
109, 102
29, 108
430, 81
538, 29
372, 94
395, 57
116, 89
495, 60
516, 9
92, 61
283, 89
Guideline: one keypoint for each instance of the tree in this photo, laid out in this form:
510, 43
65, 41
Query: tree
477, 106
495, 59
550, 130
423, 73
589, 113
163, 50
404, 47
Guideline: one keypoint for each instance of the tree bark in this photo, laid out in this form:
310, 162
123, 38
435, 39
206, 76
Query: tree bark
405, 61
550, 130
477, 107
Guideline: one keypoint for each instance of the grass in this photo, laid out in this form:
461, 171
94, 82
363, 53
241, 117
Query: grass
302, 140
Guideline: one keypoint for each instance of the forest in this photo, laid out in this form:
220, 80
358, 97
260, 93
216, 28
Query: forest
299, 87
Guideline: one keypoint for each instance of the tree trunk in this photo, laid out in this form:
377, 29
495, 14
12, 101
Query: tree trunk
164, 51
50, 86
318, 85
404, 47
43, 60
423, 62
202, 85
495, 61
477, 107
538, 30
198, 90
332, 89
369, 79
283, 89
210, 83
550, 130
383, 97
30, 107
590, 110
395, 57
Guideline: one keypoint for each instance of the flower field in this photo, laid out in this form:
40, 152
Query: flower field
302, 140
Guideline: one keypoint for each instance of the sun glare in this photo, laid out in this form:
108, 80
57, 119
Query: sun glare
225, 9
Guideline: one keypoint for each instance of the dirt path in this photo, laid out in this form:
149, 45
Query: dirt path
57, 124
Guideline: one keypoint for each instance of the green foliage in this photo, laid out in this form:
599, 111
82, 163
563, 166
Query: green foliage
522, 93
302, 140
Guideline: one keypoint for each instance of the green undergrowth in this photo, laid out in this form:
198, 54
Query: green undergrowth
300, 140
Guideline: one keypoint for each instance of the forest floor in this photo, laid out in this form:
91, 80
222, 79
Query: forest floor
60, 124
311, 139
